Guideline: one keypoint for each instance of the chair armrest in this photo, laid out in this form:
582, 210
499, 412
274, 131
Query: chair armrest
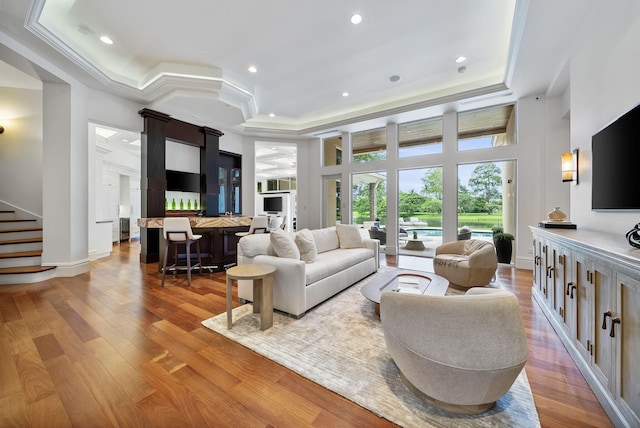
483, 258
454, 247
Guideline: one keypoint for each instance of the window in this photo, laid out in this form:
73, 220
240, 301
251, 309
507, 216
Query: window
486, 197
485, 128
332, 151
369, 145
332, 200
420, 201
369, 197
422, 137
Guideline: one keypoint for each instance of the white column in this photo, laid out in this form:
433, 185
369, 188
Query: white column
449, 176
65, 179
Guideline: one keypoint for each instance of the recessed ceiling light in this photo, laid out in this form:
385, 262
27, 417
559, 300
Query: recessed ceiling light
252, 69
106, 40
272, 115
356, 19
345, 94
461, 59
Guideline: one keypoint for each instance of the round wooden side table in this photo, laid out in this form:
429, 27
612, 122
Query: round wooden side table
262, 277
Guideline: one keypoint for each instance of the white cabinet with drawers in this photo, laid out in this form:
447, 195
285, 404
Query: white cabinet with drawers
588, 285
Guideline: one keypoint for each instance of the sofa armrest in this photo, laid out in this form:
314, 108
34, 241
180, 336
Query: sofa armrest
374, 244
289, 284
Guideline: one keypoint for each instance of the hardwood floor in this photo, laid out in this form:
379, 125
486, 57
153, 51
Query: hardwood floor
113, 348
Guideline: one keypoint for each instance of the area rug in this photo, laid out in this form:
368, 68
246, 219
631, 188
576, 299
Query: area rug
340, 345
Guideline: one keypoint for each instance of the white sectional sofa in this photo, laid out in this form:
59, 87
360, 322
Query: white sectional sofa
298, 285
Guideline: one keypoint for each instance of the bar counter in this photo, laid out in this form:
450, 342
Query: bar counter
198, 222
217, 245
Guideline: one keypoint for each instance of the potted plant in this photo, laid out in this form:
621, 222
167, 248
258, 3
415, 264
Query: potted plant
504, 246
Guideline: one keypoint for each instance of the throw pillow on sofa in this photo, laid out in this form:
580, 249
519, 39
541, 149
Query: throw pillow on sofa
284, 245
307, 246
349, 236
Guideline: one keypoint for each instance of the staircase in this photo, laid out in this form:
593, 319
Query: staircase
21, 250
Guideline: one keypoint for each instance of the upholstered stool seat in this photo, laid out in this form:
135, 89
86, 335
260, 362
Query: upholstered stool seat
469, 263
177, 230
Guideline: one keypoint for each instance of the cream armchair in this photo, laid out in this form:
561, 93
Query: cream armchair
470, 263
460, 353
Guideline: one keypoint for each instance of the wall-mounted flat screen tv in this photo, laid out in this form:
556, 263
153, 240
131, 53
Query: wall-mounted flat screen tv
272, 204
615, 165
183, 181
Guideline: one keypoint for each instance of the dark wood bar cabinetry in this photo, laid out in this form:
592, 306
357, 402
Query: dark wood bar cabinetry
219, 189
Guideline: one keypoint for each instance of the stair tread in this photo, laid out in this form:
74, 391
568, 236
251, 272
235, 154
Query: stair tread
25, 229
18, 254
16, 220
21, 241
24, 269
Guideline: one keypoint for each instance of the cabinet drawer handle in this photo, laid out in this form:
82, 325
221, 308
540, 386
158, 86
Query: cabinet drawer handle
551, 271
604, 319
614, 321
570, 289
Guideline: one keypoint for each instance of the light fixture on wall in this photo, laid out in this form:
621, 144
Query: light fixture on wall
1, 129
570, 166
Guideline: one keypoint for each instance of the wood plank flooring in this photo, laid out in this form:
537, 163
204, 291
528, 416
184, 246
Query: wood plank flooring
112, 348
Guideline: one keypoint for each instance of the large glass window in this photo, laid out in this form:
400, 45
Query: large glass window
332, 200
486, 198
487, 127
420, 206
369, 198
422, 137
332, 151
369, 145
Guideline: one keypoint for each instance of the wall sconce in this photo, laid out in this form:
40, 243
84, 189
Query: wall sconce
1, 129
570, 166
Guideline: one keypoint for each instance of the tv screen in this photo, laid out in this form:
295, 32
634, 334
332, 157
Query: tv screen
272, 204
183, 181
616, 151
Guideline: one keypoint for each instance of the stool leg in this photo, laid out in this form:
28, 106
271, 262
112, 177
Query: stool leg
188, 244
164, 265
175, 259
199, 258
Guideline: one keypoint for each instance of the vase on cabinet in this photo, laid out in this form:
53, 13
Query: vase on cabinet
557, 215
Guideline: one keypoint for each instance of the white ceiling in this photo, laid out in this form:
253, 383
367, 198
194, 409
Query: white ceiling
191, 60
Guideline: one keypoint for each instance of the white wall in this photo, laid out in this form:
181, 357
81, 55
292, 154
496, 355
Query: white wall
604, 85
21, 149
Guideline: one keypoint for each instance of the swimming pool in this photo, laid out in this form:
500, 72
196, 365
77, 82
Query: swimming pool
438, 232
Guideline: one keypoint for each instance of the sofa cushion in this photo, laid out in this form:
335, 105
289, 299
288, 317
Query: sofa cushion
306, 245
349, 236
332, 262
284, 245
256, 244
326, 239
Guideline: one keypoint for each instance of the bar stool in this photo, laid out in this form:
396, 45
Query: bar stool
259, 224
177, 230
